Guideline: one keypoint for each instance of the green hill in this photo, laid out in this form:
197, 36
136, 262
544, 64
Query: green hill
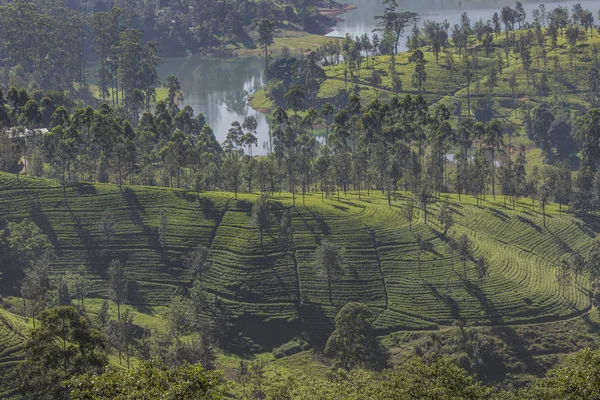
272, 297
12, 336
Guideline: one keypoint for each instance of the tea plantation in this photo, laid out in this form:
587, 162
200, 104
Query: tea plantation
273, 295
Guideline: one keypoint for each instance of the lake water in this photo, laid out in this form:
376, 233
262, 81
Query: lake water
219, 88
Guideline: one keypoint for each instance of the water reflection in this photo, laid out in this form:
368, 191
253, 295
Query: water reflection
218, 89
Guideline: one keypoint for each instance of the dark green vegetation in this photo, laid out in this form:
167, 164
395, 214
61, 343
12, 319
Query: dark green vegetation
415, 236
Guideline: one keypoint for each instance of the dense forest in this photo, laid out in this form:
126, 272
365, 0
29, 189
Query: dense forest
355, 155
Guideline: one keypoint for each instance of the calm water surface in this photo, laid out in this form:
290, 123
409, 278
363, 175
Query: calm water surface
218, 89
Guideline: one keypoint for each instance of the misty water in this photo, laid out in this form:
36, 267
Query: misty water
219, 88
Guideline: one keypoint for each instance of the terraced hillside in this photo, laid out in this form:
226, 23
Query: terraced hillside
273, 295
13, 330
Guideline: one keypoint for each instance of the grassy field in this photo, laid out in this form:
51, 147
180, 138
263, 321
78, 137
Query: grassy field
295, 41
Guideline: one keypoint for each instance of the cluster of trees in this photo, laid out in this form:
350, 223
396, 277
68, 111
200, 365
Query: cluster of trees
65, 358
420, 378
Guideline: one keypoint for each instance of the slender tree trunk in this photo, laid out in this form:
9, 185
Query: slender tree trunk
494, 173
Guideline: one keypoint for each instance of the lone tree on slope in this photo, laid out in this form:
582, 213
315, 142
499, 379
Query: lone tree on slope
118, 284
330, 262
261, 215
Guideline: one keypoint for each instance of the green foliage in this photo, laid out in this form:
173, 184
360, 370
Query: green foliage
440, 379
152, 380
330, 262
27, 243
118, 283
578, 379
351, 343
261, 215
62, 347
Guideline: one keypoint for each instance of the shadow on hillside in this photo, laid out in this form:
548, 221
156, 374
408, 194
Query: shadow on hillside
590, 226
320, 222
529, 213
500, 214
41, 220
353, 271
529, 222
187, 196
456, 208
269, 262
84, 189
135, 293
136, 212
316, 325
209, 210
245, 206
594, 327
487, 305
352, 204
89, 244
338, 207
447, 300
94, 258
514, 342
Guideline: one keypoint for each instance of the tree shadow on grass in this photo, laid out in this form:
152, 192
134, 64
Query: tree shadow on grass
84, 189
590, 225
245, 206
317, 326
136, 213
287, 290
341, 208
187, 196
529, 222
135, 295
494, 316
41, 220
500, 214
321, 224
209, 210
515, 343
447, 299
350, 203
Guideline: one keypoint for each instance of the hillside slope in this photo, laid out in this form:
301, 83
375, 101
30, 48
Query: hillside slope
272, 296
13, 330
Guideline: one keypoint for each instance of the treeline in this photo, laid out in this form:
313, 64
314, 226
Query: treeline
388, 146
